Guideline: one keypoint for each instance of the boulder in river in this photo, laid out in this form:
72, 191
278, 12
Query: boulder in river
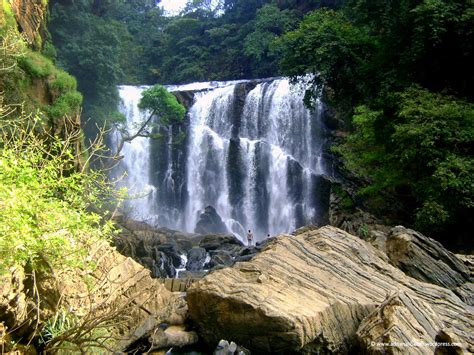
210, 222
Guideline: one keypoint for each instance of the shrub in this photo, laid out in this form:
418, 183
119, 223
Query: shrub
62, 82
65, 105
36, 65
44, 201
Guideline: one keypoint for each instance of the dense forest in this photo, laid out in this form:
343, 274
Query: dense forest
396, 74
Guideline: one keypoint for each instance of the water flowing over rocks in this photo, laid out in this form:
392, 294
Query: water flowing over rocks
164, 251
235, 151
324, 290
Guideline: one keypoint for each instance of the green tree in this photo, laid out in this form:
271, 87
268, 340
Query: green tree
425, 152
339, 53
161, 106
403, 68
269, 24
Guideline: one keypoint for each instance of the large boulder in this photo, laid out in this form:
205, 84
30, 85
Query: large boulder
210, 222
425, 259
310, 292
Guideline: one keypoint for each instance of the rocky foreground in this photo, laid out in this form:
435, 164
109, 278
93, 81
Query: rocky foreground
324, 290
320, 290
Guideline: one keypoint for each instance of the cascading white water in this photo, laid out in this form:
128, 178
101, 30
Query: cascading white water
252, 151
132, 172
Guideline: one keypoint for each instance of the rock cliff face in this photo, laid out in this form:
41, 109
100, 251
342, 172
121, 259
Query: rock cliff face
30, 15
425, 259
324, 290
118, 291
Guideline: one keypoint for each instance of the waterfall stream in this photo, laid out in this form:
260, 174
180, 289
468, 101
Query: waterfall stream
250, 149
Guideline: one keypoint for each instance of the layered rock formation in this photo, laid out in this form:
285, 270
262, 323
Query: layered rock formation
30, 15
117, 293
425, 259
324, 290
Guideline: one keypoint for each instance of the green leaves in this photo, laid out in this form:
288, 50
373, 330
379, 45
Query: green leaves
426, 148
162, 103
44, 203
328, 44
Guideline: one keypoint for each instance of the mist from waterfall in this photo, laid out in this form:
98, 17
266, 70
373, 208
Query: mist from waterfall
252, 150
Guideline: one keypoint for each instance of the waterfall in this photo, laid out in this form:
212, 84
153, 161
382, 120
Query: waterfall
133, 170
250, 149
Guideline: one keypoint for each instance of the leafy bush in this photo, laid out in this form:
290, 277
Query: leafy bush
36, 65
163, 104
424, 150
65, 105
62, 82
44, 201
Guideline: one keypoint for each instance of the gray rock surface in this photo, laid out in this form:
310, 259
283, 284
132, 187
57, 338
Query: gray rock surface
160, 249
405, 322
310, 292
425, 259
196, 259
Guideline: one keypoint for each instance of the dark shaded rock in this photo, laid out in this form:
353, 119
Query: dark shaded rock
219, 241
220, 258
171, 250
466, 293
196, 259
185, 98
321, 198
468, 260
210, 222
226, 348
425, 259
243, 258
153, 335
249, 251
264, 243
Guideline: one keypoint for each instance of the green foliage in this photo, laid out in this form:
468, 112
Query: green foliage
49, 50
426, 150
346, 200
400, 73
43, 200
57, 325
230, 41
36, 65
66, 104
162, 103
269, 24
88, 47
68, 333
62, 83
329, 45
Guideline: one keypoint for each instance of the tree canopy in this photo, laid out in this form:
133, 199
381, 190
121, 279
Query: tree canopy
400, 73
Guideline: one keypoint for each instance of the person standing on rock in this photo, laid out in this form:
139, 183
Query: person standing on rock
249, 238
